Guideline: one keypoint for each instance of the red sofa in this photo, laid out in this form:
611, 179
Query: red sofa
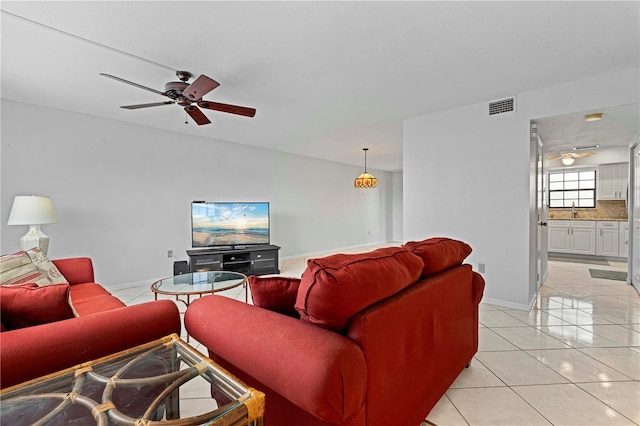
374, 339
104, 325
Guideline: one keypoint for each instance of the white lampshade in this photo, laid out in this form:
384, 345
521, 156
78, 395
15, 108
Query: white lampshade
32, 210
567, 161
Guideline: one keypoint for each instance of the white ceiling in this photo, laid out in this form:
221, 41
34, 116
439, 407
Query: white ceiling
326, 78
617, 127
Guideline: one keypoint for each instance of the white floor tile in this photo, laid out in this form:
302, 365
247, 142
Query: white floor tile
577, 336
529, 338
577, 366
624, 360
498, 319
567, 404
518, 368
494, 406
476, 376
624, 397
619, 334
489, 340
445, 413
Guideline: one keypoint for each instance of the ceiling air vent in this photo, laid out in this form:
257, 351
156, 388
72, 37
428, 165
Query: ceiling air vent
502, 106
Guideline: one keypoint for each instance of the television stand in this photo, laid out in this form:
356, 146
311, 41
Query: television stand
251, 260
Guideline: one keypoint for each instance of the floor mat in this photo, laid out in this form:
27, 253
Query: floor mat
608, 275
602, 262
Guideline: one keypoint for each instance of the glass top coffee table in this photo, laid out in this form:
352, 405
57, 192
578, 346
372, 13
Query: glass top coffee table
138, 386
198, 284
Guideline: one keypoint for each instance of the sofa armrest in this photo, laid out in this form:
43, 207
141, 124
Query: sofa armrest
320, 371
478, 288
28, 353
76, 269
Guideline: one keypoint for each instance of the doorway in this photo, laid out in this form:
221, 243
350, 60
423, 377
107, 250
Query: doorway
616, 140
634, 227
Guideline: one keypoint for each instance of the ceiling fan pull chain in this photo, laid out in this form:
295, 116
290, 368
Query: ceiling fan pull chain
186, 116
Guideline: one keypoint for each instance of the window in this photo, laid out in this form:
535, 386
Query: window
575, 187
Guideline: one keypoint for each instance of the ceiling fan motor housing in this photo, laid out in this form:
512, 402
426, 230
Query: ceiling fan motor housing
174, 89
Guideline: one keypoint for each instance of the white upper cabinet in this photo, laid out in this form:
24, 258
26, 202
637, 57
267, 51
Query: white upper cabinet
612, 181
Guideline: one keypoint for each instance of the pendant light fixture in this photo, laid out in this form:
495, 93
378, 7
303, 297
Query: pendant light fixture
365, 180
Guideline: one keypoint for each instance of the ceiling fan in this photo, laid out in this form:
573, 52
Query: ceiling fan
569, 157
185, 94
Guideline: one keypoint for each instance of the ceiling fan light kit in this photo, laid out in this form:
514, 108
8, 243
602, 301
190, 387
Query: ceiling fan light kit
593, 117
185, 95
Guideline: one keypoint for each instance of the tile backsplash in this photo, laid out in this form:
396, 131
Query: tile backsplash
605, 209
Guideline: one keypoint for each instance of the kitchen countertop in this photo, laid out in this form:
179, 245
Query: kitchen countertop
590, 218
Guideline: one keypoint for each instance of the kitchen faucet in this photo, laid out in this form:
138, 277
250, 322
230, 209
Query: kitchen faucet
574, 213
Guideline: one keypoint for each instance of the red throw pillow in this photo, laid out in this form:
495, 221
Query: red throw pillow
277, 294
28, 305
335, 288
439, 253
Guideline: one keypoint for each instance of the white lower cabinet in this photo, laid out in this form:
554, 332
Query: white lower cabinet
572, 236
607, 237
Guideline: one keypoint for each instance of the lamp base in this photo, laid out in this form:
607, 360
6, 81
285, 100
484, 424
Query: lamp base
35, 238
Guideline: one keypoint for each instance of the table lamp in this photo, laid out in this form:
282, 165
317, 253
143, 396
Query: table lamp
34, 211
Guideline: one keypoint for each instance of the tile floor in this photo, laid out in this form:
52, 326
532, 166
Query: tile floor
574, 359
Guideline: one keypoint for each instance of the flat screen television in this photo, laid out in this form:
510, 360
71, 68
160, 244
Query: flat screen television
215, 224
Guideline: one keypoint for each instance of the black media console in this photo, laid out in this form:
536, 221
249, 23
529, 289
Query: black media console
250, 260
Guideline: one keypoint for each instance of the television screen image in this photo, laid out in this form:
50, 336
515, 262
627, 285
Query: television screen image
229, 224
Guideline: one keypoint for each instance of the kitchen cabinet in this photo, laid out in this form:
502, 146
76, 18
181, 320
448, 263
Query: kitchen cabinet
612, 181
623, 239
607, 238
572, 236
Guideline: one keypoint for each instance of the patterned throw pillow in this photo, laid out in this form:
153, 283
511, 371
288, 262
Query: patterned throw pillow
19, 268
46, 266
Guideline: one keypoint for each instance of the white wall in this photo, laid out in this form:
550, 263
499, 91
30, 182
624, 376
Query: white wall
467, 175
397, 206
122, 192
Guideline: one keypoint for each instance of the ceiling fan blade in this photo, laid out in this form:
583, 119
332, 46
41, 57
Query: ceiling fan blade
200, 87
146, 105
232, 109
140, 86
555, 156
582, 154
197, 115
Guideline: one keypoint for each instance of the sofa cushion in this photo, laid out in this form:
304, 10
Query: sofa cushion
336, 287
439, 253
91, 298
277, 294
28, 304
30, 266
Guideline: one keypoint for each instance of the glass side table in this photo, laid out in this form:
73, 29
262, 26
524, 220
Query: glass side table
198, 284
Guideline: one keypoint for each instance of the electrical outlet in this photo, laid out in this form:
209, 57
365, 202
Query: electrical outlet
481, 268
169, 253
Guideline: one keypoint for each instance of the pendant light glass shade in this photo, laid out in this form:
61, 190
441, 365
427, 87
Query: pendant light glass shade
365, 180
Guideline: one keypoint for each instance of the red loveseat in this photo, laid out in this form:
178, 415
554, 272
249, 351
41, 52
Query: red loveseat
104, 325
374, 339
